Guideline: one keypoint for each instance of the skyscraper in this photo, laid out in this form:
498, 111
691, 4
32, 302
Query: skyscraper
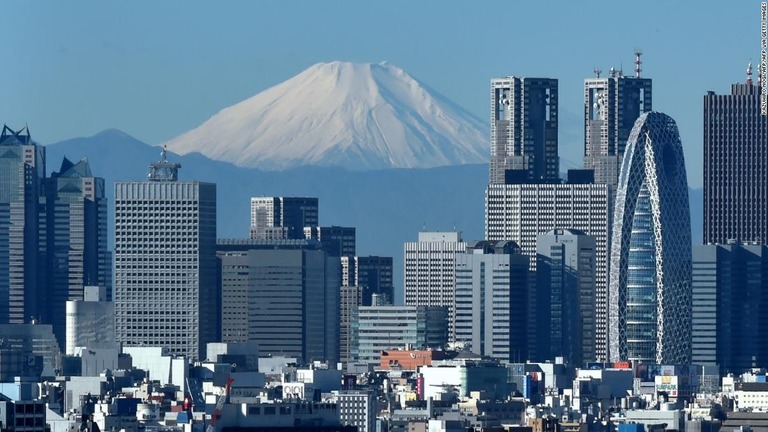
522, 212
565, 291
22, 242
491, 292
523, 130
76, 208
430, 270
165, 287
291, 291
336, 240
730, 326
650, 280
735, 166
611, 106
282, 217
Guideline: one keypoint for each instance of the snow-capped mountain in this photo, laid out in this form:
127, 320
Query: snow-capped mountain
356, 116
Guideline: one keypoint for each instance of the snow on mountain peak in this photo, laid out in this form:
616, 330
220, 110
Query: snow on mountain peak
358, 116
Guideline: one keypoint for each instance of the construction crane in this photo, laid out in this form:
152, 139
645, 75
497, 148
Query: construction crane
219, 405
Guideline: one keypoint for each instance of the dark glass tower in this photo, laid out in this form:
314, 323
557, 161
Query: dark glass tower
76, 239
735, 167
22, 235
524, 131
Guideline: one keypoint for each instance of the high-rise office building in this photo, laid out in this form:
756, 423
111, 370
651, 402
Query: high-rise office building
337, 241
22, 231
730, 326
430, 272
282, 217
165, 285
565, 296
362, 279
291, 291
523, 130
90, 321
522, 212
76, 208
650, 281
735, 166
491, 291
378, 328
611, 106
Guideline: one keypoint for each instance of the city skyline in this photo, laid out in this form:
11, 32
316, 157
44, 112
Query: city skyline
130, 63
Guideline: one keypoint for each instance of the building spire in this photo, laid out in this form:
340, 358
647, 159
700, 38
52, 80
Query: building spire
638, 62
749, 73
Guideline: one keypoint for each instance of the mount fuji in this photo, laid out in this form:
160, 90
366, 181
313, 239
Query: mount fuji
338, 114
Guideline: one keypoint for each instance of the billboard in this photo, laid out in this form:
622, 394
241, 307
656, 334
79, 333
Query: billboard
666, 384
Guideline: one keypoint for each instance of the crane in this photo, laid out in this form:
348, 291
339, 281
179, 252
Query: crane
219, 405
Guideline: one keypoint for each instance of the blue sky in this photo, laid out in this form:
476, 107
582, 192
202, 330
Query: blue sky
156, 69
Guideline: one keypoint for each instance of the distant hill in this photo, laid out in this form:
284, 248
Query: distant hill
388, 207
357, 116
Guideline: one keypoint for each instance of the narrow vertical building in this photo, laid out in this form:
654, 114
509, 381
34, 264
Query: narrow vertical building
491, 292
77, 256
430, 272
611, 106
165, 286
650, 279
735, 166
22, 227
524, 130
565, 286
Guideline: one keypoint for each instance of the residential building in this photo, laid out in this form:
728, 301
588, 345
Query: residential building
22, 239
374, 329
166, 292
90, 322
76, 247
491, 292
565, 296
650, 281
523, 130
291, 289
729, 286
282, 217
430, 272
735, 166
523, 212
357, 408
611, 106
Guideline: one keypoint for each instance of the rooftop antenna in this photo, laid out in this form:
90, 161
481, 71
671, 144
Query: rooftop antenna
749, 73
638, 62
598, 71
612, 72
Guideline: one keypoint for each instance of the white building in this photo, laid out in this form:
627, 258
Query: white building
430, 270
90, 321
522, 212
491, 279
165, 262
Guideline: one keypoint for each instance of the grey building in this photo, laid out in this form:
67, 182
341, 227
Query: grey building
22, 238
430, 272
522, 212
611, 106
282, 217
336, 241
291, 289
523, 130
375, 329
730, 293
77, 255
491, 292
735, 166
357, 408
563, 310
165, 286
650, 281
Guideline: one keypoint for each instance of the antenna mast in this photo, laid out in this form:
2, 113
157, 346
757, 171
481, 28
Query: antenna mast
638, 63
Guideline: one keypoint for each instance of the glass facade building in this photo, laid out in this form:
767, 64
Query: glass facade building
650, 271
